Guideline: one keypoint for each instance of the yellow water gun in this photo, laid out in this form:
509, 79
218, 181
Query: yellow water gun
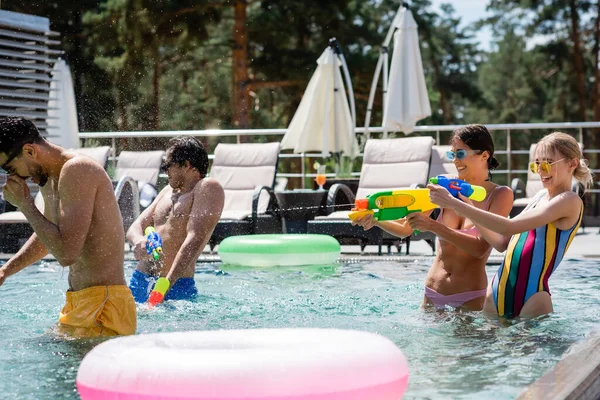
396, 204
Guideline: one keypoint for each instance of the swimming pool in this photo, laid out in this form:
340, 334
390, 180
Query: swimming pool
460, 356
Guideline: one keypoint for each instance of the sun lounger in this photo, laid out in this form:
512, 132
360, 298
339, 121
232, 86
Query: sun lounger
388, 164
247, 173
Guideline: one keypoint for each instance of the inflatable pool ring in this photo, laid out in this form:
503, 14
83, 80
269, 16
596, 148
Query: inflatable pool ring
271, 250
261, 364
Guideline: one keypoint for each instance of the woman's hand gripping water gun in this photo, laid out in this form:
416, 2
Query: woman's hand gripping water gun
392, 205
153, 242
456, 186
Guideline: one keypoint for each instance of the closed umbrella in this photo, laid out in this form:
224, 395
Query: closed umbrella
63, 128
405, 98
323, 121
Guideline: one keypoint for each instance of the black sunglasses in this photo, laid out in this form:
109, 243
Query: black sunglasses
4, 168
167, 164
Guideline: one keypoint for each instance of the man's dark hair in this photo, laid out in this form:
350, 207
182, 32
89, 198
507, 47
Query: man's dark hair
187, 148
16, 132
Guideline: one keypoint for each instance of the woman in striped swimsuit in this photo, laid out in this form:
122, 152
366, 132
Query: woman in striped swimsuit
537, 239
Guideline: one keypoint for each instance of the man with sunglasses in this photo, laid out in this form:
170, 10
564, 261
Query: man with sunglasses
81, 226
184, 214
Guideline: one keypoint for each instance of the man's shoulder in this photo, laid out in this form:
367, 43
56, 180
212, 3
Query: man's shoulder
83, 169
209, 184
77, 161
209, 190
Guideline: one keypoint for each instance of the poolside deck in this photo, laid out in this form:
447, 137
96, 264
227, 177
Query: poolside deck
585, 245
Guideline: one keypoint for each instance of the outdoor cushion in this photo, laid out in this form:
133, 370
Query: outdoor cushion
241, 168
17, 217
440, 165
394, 163
390, 164
99, 154
235, 214
142, 166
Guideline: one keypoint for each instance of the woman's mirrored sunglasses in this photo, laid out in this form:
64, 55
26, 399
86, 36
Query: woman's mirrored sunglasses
544, 166
460, 154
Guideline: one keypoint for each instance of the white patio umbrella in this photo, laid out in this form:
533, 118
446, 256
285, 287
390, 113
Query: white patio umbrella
405, 98
63, 128
323, 121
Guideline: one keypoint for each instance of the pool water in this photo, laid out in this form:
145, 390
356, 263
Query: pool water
450, 355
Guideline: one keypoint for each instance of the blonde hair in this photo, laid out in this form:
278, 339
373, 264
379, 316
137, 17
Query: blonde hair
567, 146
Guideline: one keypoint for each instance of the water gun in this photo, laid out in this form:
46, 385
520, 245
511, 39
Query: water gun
456, 186
396, 204
153, 242
158, 293
391, 205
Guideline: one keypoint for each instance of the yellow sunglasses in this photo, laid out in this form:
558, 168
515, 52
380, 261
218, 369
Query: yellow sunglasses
544, 166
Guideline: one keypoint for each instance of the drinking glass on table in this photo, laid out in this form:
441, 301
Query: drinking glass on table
321, 178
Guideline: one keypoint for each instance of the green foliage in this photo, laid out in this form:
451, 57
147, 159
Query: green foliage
166, 64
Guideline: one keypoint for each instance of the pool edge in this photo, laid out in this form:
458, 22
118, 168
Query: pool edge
576, 376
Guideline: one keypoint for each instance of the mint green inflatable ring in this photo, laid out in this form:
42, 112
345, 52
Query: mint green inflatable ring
271, 250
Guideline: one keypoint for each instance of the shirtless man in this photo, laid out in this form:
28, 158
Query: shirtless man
184, 214
81, 226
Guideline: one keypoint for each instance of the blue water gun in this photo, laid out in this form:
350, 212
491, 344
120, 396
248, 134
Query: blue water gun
153, 242
456, 186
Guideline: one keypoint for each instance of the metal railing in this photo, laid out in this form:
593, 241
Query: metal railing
434, 130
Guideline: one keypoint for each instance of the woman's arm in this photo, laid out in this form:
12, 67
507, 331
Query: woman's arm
501, 204
399, 228
495, 239
565, 205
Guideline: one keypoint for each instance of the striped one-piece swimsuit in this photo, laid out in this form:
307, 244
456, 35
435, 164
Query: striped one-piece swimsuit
530, 259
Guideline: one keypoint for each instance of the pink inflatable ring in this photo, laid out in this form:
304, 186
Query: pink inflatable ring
261, 364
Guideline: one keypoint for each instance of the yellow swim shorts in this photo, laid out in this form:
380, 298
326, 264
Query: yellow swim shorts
99, 311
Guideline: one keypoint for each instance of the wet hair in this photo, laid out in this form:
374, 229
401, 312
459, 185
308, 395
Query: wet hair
16, 132
567, 146
187, 148
477, 137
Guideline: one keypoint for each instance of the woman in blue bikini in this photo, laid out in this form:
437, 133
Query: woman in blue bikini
537, 239
457, 277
